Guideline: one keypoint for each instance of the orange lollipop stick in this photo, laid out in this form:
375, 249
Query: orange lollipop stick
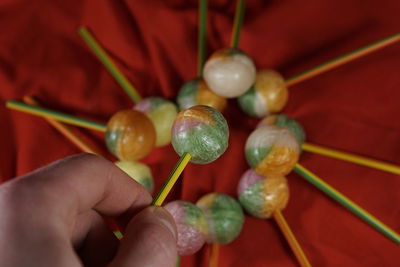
214, 255
291, 239
64, 130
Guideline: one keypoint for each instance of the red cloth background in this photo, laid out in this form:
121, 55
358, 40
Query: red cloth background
354, 107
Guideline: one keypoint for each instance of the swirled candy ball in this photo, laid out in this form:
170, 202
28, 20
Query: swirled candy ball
162, 113
229, 72
272, 150
196, 92
224, 217
190, 224
268, 95
202, 132
140, 172
285, 121
260, 196
130, 135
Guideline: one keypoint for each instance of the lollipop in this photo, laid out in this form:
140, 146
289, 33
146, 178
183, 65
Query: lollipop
130, 135
196, 92
261, 196
202, 132
272, 150
191, 226
229, 72
140, 172
224, 217
285, 121
162, 113
265, 197
268, 95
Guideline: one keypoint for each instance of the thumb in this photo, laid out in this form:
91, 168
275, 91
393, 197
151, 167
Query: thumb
149, 240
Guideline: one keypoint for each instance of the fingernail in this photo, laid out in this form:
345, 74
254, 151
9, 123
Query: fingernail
165, 218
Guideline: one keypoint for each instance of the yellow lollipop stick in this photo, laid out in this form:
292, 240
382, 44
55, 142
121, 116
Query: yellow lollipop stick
336, 62
347, 203
333, 153
173, 177
102, 55
59, 116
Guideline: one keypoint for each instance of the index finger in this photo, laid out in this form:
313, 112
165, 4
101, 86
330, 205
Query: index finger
79, 183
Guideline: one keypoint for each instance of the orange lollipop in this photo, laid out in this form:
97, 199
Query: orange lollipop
130, 135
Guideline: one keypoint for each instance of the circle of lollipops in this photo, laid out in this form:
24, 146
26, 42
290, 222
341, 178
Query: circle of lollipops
199, 133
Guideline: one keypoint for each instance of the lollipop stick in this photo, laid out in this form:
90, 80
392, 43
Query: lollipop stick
173, 177
109, 64
70, 135
291, 239
351, 158
237, 24
214, 255
64, 130
336, 62
47, 113
202, 36
347, 203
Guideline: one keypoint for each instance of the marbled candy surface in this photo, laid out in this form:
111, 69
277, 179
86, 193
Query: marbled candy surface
260, 196
130, 135
285, 121
272, 150
229, 72
140, 172
191, 226
196, 92
224, 217
268, 95
201, 131
162, 113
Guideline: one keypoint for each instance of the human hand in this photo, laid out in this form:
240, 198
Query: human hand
52, 217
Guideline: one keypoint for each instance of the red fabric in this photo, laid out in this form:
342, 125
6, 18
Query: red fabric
354, 107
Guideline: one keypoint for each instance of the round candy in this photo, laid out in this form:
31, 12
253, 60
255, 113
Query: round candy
162, 113
196, 92
201, 131
229, 72
140, 172
190, 224
285, 121
268, 95
130, 135
260, 196
272, 150
224, 217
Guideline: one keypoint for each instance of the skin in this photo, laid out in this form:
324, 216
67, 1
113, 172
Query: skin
52, 217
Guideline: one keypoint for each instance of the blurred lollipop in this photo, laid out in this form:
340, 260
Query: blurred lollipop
224, 217
191, 226
268, 95
287, 122
196, 92
162, 113
260, 196
272, 150
265, 197
229, 72
140, 172
130, 135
